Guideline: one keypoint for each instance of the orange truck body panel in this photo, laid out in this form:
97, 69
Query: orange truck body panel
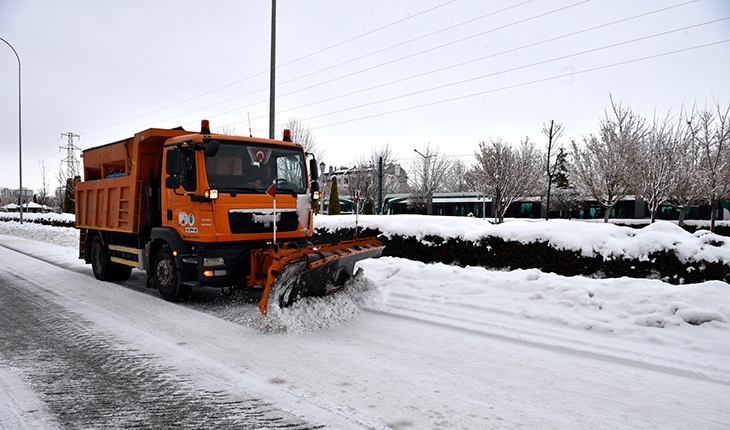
110, 196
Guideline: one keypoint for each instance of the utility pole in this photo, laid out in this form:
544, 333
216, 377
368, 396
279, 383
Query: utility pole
70, 160
272, 83
71, 170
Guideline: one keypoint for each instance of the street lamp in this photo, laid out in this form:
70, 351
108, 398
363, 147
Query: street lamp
20, 138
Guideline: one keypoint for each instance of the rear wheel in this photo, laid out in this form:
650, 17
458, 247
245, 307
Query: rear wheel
123, 271
167, 277
105, 269
100, 263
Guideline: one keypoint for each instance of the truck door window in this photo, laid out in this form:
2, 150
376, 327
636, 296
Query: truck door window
187, 175
290, 173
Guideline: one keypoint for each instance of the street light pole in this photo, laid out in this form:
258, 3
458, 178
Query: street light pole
20, 135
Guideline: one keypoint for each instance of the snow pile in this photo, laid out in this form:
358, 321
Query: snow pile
63, 236
318, 313
589, 238
647, 320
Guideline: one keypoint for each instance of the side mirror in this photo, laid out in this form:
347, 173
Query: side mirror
173, 167
313, 170
172, 182
212, 148
315, 185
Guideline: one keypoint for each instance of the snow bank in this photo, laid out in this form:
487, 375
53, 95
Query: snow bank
609, 241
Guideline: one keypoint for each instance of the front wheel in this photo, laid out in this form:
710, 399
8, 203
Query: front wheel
167, 277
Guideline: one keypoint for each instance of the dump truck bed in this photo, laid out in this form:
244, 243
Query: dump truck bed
111, 196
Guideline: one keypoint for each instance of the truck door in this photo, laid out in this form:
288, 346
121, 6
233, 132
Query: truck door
179, 208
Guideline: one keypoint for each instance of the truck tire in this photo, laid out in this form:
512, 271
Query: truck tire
100, 263
123, 272
105, 269
166, 277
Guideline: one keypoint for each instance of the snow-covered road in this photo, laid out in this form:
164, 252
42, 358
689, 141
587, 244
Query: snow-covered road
402, 363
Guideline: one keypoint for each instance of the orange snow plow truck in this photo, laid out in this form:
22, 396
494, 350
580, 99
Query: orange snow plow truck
201, 209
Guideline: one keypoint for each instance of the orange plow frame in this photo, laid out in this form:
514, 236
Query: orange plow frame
267, 265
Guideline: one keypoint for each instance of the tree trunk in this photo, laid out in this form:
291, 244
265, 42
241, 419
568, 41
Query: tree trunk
682, 214
547, 203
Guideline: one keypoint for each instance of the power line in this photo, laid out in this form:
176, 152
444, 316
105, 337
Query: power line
515, 69
541, 15
419, 38
340, 64
476, 59
370, 32
410, 55
563, 75
278, 67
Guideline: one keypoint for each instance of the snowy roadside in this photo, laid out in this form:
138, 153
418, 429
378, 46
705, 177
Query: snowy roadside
681, 328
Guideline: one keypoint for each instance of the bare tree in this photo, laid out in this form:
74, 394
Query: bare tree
687, 191
302, 135
461, 178
507, 173
656, 164
602, 168
364, 177
564, 197
43, 197
394, 177
362, 182
229, 130
553, 133
429, 174
66, 180
712, 133
567, 200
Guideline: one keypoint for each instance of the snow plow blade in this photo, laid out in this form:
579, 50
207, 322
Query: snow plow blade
294, 273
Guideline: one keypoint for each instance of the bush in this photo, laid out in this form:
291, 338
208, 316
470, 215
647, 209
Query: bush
496, 253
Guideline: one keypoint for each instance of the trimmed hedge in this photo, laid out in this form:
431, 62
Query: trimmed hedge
51, 219
496, 253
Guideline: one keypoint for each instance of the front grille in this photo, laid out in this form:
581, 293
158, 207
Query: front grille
260, 221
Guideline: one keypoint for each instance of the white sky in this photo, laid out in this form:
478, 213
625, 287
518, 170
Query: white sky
105, 70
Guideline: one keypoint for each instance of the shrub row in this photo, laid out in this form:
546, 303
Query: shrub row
44, 219
496, 253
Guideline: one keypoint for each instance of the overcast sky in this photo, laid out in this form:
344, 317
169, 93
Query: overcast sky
361, 74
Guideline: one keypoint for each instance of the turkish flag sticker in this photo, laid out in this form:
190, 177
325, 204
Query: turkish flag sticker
260, 155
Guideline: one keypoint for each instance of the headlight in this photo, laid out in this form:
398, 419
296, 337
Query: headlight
213, 261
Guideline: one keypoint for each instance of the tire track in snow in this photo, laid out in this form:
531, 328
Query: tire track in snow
89, 379
408, 314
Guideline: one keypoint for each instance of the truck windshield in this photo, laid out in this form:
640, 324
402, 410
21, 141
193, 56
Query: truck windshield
242, 167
